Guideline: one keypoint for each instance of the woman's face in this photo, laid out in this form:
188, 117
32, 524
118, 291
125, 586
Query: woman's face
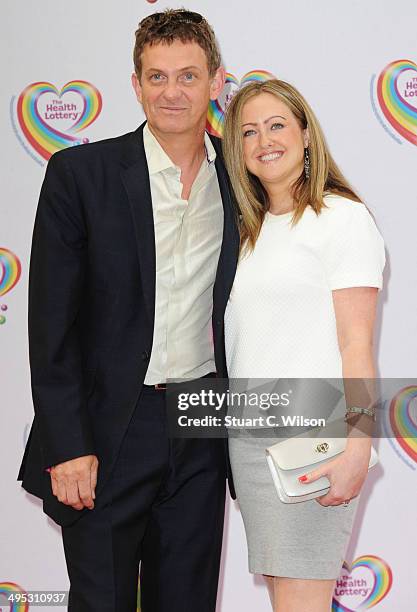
273, 142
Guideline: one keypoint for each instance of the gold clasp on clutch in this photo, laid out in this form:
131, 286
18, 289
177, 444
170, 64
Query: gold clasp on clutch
322, 448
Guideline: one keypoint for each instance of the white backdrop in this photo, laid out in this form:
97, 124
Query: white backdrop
336, 54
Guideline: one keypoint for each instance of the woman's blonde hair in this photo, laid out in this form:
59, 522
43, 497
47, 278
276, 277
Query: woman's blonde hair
252, 199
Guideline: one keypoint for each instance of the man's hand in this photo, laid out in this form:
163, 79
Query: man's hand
74, 482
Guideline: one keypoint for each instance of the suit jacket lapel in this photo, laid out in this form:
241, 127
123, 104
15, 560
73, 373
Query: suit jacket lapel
135, 177
230, 245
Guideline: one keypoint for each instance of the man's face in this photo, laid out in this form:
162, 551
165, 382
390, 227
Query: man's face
175, 87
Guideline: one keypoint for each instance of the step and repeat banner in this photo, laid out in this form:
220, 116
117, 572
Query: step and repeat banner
66, 70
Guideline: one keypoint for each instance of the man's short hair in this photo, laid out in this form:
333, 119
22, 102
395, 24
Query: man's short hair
176, 24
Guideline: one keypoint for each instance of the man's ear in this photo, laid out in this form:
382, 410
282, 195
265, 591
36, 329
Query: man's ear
137, 87
217, 83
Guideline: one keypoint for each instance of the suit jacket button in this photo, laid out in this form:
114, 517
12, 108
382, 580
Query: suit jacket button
145, 355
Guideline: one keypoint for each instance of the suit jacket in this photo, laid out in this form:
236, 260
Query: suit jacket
92, 302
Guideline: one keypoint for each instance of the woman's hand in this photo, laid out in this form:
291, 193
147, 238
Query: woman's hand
346, 473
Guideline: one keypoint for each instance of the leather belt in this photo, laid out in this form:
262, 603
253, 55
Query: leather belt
163, 386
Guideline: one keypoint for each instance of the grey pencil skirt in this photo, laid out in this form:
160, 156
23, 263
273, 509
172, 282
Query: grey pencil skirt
302, 540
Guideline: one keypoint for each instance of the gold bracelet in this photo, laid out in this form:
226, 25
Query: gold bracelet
352, 410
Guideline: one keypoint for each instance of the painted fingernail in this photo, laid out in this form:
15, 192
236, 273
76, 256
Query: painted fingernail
303, 478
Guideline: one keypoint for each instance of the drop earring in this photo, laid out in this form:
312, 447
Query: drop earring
306, 163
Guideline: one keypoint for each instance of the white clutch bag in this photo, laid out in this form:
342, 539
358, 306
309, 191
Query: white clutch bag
291, 458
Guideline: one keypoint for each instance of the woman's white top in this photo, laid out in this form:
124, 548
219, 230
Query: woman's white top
280, 320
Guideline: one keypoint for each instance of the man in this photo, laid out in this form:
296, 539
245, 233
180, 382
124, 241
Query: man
126, 245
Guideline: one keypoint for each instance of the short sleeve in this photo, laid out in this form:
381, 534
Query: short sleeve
354, 253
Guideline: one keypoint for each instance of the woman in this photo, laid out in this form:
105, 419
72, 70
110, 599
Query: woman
303, 304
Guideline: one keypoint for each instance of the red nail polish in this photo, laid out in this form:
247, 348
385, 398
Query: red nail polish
302, 478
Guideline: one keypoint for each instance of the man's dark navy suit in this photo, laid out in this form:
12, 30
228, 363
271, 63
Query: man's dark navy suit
91, 306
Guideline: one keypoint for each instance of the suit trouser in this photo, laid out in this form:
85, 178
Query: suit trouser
162, 509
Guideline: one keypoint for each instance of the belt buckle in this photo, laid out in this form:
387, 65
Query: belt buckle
160, 386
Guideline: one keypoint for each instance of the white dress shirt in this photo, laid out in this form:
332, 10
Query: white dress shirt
188, 237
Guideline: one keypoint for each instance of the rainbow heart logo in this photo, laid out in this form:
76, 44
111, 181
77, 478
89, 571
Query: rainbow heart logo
10, 270
48, 122
402, 415
9, 591
362, 585
395, 90
217, 108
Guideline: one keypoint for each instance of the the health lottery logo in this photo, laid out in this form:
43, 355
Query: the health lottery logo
362, 585
49, 120
7, 591
401, 425
394, 94
217, 108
